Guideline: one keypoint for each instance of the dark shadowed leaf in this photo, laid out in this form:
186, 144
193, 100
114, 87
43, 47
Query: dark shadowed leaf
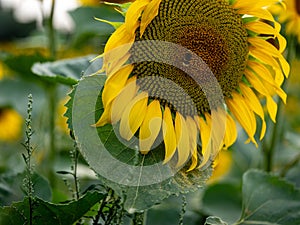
48, 213
223, 200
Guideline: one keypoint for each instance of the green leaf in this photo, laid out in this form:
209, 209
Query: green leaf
14, 93
87, 27
48, 213
12, 188
66, 71
22, 63
268, 199
213, 220
142, 180
223, 200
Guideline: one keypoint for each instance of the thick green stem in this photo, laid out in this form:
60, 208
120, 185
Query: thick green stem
139, 218
52, 98
278, 127
51, 37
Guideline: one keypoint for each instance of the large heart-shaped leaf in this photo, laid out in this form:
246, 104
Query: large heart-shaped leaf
267, 199
48, 213
141, 179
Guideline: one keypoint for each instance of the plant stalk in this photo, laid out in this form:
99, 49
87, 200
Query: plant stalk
52, 97
52, 38
139, 218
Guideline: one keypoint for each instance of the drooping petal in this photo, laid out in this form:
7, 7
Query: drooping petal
123, 99
258, 12
268, 48
243, 114
246, 4
105, 117
150, 127
133, 14
114, 84
272, 108
253, 102
231, 132
193, 141
205, 134
169, 135
267, 59
261, 28
217, 121
256, 83
133, 116
149, 13
182, 139
116, 49
267, 77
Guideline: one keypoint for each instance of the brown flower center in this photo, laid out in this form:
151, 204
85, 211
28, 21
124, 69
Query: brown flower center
297, 5
209, 28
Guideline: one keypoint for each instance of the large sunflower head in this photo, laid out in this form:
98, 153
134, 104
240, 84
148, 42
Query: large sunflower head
289, 15
240, 43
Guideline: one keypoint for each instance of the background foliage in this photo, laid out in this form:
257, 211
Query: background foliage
65, 190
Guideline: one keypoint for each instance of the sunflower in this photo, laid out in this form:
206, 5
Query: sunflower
239, 41
10, 124
289, 15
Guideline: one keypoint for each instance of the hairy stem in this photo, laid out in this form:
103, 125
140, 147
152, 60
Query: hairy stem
139, 218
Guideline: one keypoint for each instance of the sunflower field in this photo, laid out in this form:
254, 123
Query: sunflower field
149, 112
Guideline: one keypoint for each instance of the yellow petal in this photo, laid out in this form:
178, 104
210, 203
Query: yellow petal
281, 40
255, 105
193, 141
261, 28
169, 135
265, 46
205, 134
256, 83
150, 127
123, 99
258, 12
266, 58
182, 139
265, 74
285, 66
133, 116
243, 114
117, 47
133, 14
114, 84
246, 4
105, 117
118, 57
217, 120
231, 132
149, 13
272, 108
268, 49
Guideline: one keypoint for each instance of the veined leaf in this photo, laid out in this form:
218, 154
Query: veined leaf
142, 180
